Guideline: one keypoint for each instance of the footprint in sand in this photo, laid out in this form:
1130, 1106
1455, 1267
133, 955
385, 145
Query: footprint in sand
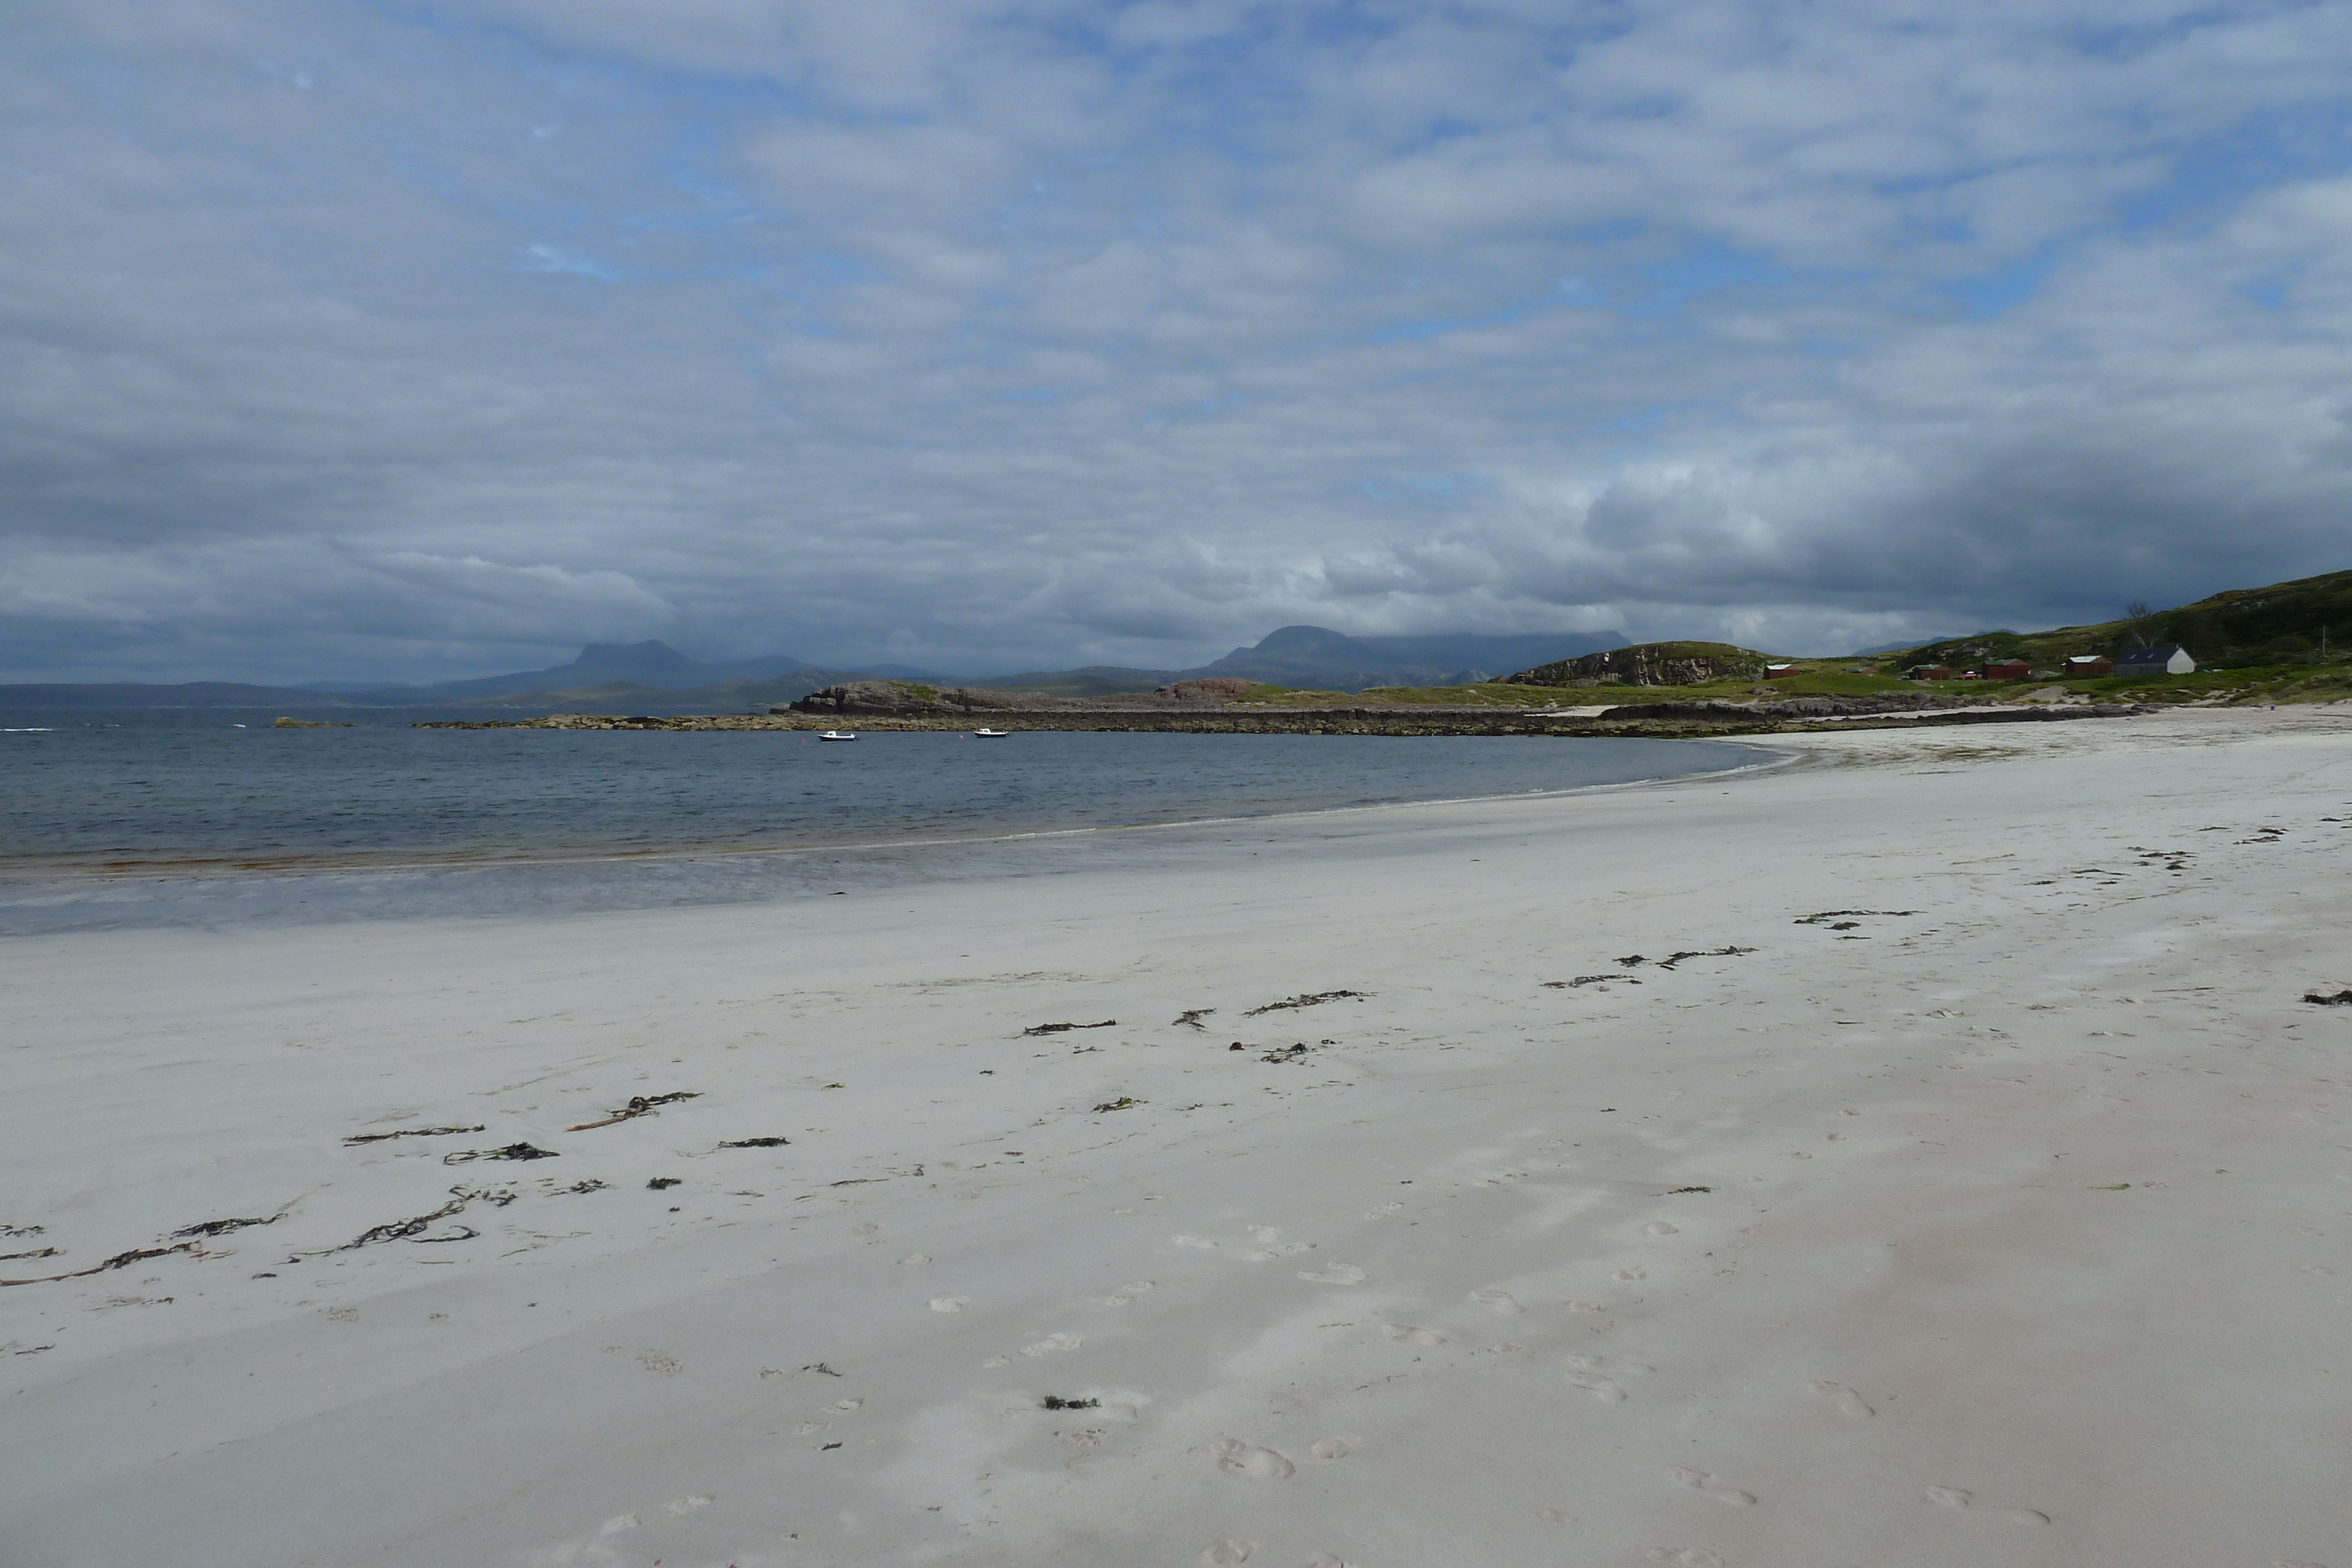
915, 1258
950, 1304
1501, 1302
1325, 1559
1621, 1368
1337, 1274
1953, 1497
1228, 1551
1684, 1556
1051, 1343
1269, 1238
1415, 1335
1607, 1390
1701, 1482
689, 1504
1627, 1276
1660, 1227
1248, 1459
1847, 1401
1329, 1448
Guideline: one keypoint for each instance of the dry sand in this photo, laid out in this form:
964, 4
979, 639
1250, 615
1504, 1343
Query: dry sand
2008, 1228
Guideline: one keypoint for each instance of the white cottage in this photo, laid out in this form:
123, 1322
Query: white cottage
2169, 659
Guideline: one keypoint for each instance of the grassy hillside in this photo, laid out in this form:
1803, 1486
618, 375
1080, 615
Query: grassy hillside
2280, 627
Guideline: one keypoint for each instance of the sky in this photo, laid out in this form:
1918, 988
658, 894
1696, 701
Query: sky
418, 339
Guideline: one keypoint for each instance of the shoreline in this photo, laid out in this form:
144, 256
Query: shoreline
1917, 1152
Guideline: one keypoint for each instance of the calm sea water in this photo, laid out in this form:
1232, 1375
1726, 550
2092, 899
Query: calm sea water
141, 796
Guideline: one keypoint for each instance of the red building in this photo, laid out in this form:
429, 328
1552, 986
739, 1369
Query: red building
2009, 670
2083, 666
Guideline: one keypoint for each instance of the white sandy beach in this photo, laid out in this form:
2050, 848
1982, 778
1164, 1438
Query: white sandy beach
2006, 1229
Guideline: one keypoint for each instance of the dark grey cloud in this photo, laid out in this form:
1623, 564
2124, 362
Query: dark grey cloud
341, 339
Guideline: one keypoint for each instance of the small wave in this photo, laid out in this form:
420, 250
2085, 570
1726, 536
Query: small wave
32, 729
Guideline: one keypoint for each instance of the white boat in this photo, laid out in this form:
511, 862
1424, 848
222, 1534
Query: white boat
990, 734
838, 734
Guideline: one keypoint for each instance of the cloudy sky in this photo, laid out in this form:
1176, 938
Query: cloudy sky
424, 337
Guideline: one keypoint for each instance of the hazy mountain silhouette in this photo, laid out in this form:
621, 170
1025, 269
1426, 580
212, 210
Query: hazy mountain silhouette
1318, 657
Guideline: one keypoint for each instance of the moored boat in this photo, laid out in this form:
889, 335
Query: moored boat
838, 734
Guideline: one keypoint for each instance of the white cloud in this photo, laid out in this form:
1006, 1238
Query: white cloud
1017, 333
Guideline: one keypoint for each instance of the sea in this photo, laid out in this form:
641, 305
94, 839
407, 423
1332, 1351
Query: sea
114, 817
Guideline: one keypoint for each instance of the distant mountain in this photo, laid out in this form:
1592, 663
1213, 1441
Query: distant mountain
1320, 659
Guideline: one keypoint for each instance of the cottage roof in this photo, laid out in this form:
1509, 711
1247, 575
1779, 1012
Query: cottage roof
2148, 655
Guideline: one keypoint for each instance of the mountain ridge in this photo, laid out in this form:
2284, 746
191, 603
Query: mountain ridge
1301, 655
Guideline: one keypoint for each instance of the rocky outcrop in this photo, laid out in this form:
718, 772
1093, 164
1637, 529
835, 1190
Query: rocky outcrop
908, 699
1215, 688
1645, 664
911, 699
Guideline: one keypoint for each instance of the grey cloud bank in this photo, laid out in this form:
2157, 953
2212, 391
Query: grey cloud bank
339, 340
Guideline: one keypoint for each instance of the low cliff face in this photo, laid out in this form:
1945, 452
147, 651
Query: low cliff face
1645, 664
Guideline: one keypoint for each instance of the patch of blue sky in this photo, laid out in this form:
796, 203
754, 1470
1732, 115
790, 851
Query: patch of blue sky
1988, 295
1703, 268
2270, 290
2213, 177
540, 256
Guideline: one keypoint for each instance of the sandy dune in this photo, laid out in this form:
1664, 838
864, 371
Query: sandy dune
1990, 1206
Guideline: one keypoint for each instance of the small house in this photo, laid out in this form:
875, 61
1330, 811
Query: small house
1930, 672
2168, 660
2083, 666
2008, 670
1780, 672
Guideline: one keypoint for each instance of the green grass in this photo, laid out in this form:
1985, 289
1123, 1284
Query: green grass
1829, 677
